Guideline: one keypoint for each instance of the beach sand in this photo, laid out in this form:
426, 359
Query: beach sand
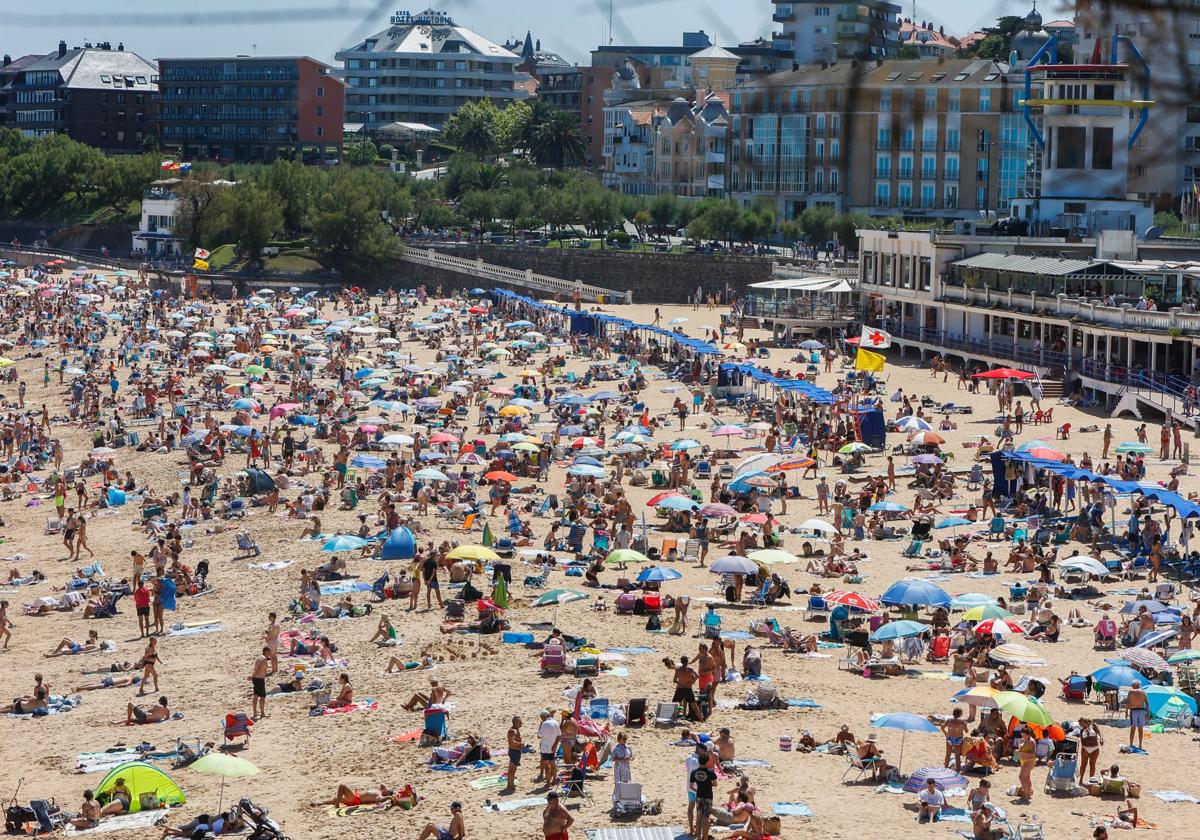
302, 757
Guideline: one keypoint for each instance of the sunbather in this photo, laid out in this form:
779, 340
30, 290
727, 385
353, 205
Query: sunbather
89, 812
108, 682
437, 695
396, 664
223, 823
143, 714
26, 705
346, 797
68, 647
345, 693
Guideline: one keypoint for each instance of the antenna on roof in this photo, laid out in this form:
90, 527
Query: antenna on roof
610, 22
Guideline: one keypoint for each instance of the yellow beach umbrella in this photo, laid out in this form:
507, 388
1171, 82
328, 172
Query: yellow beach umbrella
473, 552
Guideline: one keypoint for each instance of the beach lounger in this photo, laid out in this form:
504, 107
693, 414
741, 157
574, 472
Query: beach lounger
554, 660
237, 725
635, 714
665, 713
816, 608
691, 551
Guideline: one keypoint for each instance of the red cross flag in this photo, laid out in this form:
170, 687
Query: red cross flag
875, 339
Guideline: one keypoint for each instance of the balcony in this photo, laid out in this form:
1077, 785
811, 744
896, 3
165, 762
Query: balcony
883, 174
175, 78
223, 97
905, 174
714, 157
905, 146
882, 145
929, 174
786, 16
949, 203
951, 146
950, 175
929, 203
929, 146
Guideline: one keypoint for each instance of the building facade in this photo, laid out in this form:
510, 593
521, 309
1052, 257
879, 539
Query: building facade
667, 146
812, 31
9, 69
926, 40
244, 108
939, 139
422, 69
160, 206
94, 94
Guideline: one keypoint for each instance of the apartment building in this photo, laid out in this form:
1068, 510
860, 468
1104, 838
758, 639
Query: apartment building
921, 139
95, 94
925, 39
813, 31
422, 69
250, 108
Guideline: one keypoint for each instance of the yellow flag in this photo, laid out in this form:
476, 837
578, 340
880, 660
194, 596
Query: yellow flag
201, 264
866, 360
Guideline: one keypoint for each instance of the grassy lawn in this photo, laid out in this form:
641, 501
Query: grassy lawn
221, 258
294, 262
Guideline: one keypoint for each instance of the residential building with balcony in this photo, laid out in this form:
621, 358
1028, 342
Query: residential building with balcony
94, 94
926, 40
422, 69
250, 108
938, 139
160, 207
812, 31
667, 146
556, 81
9, 69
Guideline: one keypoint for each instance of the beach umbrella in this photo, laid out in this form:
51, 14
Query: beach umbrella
217, 763
1164, 698
625, 556
980, 695
587, 459
555, 597
912, 423
500, 475
926, 439
797, 462
254, 370
399, 545
1045, 453
906, 722
970, 599
999, 627
1116, 676
898, 630
1134, 447
396, 440
368, 462
1023, 707
103, 452
954, 522
812, 344
852, 600
1181, 657
431, 474
1090, 565
344, 542
757, 463
1141, 658
675, 321
984, 612
473, 552
915, 592
926, 458
771, 556
1015, 654
817, 525
585, 470
729, 431
943, 778
1005, 373
854, 446
1134, 607
888, 507
717, 510
732, 564
684, 444
658, 574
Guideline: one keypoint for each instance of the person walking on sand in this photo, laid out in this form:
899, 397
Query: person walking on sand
258, 684
150, 663
516, 746
6, 625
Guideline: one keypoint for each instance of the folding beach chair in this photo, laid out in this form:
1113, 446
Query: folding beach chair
53, 525
859, 766
598, 708
237, 725
665, 713
635, 714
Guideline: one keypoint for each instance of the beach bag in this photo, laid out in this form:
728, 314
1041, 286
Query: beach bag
15, 818
653, 622
1133, 790
148, 801
772, 826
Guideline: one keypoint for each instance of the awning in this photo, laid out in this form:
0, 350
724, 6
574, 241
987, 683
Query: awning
806, 284
153, 234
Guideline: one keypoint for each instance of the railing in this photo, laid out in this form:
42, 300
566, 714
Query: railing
526, 278
998, 347
1071, 308
800, 309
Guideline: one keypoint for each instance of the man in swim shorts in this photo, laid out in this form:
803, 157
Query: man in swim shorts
457, 829
1137, 707
556, 821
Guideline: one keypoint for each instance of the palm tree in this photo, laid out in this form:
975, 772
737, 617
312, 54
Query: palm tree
473, 128
558, 140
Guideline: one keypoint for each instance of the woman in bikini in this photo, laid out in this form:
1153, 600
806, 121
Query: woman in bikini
25, 705
150, 660
347, 797
1090, 741
1027, 754
89, 812
345, 693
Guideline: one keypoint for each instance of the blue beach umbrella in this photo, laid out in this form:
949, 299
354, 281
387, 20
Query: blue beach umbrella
915, 592
1116, 676
898, 630
657, 574
368, 462
906, 722
344, 542
888, 507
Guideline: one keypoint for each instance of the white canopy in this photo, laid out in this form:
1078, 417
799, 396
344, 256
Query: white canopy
806, 284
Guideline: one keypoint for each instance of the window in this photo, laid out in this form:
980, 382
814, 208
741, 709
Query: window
1102, 148
930, 100
885, 101
1069, 142
120, 136
320, 131
905, 195
883, 166
1105, 92
833, 180
320, 110
985, 100
952, 168
955, 100
883, 194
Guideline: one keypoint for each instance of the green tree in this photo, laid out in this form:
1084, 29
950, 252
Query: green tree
512, 126
472, 128
478, 207
993, 47
513, 207
816, 223
599, 212
559, 207
121, 180
254, 216
293, 185
908, 51
558, 140
51, 169
663, 209
845, 228
199, 211
790, 231
348, 233
642, 220
362, 153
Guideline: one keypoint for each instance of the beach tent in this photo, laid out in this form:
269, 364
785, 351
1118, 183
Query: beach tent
141, 778
400, 545
260, 482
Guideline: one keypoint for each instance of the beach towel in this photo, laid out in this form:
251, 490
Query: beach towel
487, 782
96, 762
56, 705
636, 649
272, 566
405, 737
750, 762
951, 815
345, 587
122, 822
617, 671
515, 804
802, 703
355, 810
462, 768
890, 787
177, 631
791, 809
1174, 796
1132, 750
367, 705
738, 635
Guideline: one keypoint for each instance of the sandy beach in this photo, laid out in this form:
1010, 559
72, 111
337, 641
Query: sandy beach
303, 757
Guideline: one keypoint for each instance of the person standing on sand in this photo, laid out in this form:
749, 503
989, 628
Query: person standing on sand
1108, 436
258, 684
1136, 707
271, 634
548, 737
556, 820
5, 624
516, 746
